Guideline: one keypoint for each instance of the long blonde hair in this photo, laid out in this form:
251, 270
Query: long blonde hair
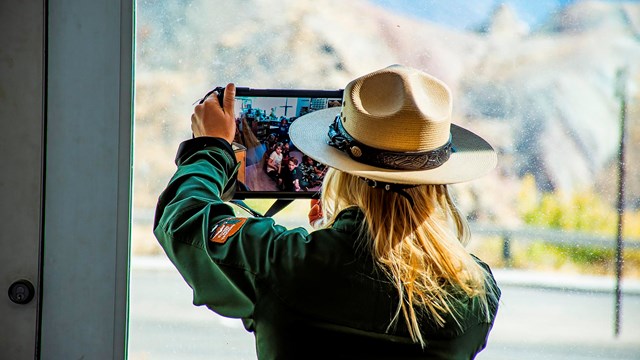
420, 247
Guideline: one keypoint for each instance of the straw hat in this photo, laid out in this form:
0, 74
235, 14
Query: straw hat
394, 126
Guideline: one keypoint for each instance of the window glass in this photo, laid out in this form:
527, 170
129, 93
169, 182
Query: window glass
551, 84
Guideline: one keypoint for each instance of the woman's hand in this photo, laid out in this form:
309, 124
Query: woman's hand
316, 216
210, 119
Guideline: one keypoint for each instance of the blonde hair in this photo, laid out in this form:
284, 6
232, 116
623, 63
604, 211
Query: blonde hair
419, 247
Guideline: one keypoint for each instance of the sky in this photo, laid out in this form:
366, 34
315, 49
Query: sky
469, 14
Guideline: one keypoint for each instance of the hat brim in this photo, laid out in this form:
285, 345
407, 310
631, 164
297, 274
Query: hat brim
473, 156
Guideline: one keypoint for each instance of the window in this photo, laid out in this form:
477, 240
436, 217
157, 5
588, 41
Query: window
543, 81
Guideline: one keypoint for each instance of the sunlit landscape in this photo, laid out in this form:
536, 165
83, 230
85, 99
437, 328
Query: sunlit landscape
546, 96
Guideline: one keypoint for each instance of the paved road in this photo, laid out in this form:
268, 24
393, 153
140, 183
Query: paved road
533, 323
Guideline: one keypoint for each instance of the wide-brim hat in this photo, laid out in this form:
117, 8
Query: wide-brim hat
394, 126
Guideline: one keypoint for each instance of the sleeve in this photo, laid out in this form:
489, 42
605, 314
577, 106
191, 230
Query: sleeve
221, 257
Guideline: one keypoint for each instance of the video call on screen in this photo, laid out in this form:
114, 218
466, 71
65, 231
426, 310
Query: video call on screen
269, 161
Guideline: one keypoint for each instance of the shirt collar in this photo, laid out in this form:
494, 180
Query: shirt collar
349, 220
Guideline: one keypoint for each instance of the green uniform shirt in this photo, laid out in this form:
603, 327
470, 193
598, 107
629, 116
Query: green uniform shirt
304, 295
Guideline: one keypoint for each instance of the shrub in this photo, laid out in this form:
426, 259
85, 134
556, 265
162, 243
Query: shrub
583, 211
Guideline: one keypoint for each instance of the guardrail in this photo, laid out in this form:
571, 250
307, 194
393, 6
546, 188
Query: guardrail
522, 234
549, 236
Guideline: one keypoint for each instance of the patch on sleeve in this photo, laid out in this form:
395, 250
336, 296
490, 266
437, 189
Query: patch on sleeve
225, 229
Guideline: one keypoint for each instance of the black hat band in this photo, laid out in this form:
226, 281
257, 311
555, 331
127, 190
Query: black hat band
407, 160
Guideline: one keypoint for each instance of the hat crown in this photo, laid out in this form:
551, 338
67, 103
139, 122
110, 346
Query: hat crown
398, 109
394, 127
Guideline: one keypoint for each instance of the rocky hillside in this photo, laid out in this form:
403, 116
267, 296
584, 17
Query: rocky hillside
547, 99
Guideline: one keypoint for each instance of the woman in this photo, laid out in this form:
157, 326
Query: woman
387, 276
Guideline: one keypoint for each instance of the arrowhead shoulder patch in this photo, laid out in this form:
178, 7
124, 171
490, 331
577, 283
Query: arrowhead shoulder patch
225, 229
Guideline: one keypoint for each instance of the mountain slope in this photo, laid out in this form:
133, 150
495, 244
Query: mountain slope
546, 99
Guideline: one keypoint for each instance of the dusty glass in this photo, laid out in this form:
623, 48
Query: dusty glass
551, 84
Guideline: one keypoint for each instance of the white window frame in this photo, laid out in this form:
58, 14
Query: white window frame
88, 167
